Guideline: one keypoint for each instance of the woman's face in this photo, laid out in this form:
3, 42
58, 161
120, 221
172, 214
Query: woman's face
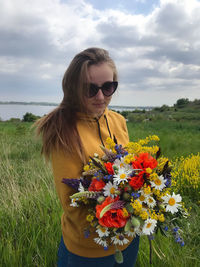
98, 75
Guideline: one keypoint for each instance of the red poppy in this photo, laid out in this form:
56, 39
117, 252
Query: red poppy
109, 167
137, 181
96, 185
143, 161
113, 217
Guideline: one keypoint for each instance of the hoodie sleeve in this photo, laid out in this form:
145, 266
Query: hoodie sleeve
65, 166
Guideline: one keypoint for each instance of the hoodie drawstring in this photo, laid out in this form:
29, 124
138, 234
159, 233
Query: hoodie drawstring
99, 130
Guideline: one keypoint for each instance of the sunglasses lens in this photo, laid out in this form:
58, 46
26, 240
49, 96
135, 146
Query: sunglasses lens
109, 88
93, 90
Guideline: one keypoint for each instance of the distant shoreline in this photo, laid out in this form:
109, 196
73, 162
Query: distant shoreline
56, 104
28, 103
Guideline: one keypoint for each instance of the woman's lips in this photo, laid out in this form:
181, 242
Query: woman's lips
98, 105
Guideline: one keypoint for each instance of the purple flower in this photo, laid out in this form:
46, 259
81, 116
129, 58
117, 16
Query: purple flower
86, 233
74, 183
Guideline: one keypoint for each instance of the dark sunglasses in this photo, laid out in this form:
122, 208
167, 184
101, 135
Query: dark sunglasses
108, 88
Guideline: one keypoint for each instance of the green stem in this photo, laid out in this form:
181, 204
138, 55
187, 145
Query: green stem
150, 251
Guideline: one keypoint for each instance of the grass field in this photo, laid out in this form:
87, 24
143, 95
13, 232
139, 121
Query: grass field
30, 211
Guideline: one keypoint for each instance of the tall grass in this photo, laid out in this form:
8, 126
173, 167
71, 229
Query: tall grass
29, 208
176, 138
30, 211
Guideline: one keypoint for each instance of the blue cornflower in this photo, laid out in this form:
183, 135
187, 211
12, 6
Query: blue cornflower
86, 233
175, 229
166, 228
135, 195
108, 177
178, 239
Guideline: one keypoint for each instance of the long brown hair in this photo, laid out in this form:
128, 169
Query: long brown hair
58, 128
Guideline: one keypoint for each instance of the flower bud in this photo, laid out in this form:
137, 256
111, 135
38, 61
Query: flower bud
135, 222
129, 208
126, 196
129, 189
162, 206
128, 225
118, 256
100, 199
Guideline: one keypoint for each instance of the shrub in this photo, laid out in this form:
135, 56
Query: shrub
29, 117
186, 172
182, 102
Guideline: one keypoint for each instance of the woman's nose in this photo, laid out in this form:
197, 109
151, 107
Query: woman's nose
100, 94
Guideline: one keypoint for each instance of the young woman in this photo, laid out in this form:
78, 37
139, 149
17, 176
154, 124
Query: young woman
71, 134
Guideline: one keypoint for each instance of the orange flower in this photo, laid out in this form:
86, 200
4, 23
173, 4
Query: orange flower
96, 185
137, 181
113, 217
144, 161
109, 167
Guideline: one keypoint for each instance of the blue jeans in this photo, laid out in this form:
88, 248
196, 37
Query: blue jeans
68, 259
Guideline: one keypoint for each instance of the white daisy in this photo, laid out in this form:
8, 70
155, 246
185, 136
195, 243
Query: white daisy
132, 232
149, 226
119, 239
159, 183
150, 202
100, 241
172, 202
119, 163
122, 176
110, 189
102, 231
74, 203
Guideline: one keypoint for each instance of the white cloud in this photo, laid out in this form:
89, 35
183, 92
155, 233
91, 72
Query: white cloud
157, 54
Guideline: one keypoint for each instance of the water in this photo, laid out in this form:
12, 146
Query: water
9, 111
17, 111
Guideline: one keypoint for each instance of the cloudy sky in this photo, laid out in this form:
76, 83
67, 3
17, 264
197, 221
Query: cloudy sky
155, 44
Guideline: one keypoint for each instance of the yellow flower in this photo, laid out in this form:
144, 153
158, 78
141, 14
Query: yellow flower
161, 217
147, 189
148, 170
153, 176
128, 159
186, 173
153, 215
144, 215
136, 205
161, 163
90, 218
125, 212
86, 168
133, 148
110, 144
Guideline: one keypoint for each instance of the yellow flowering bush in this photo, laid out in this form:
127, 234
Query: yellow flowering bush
186, 173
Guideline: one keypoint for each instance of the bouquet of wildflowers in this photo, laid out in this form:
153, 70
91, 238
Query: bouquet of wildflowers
128, 193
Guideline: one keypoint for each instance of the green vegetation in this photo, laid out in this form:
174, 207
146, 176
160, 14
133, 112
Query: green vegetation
30, 210
29, 117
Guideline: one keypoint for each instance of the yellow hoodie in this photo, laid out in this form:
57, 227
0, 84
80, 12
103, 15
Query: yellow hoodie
93, 133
